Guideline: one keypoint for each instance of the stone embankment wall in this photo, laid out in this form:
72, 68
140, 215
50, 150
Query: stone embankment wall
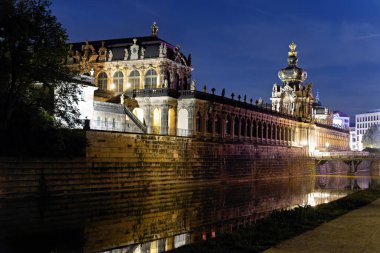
187, 158
134, 188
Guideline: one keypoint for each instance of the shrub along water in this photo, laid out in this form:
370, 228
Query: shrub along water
282, 225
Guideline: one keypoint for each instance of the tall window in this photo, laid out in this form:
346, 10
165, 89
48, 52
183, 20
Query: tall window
242, 127
118, 80
236, 126
228, 124
218, 125
151, 79
102, 81
134, 79
209, 122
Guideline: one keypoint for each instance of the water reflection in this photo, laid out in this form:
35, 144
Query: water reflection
159, 218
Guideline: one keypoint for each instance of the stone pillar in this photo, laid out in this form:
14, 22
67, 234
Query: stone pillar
142, 79
164, 119
191, 121
148, 118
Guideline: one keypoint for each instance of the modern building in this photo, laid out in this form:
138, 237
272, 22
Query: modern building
353, 142
145, 83
341, 119
364, 121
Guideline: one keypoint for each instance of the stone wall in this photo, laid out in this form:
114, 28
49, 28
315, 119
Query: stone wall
134, 188
190, 158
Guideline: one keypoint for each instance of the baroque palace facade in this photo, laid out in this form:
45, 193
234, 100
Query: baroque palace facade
144, 85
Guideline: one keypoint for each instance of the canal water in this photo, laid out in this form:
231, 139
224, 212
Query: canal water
156, 219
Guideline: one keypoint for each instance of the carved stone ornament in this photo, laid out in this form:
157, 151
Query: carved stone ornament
193, 87
142, 54
102, 52
126, 54
70, 54
154, 29
163, 50
134, 50
110, 55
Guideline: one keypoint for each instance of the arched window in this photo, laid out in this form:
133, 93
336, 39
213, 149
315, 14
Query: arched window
134, 79
269, 131
102, 80
218, 125
242, 127
228, 124
236, 126
259, 130
151, 79
198, 122
118, 80
265, 130
209, 122
249, 128
254, 128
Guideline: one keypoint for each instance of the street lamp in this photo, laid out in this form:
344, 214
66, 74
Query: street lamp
112, 86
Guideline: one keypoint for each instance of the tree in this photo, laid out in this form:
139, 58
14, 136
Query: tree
34, 82
371, 138
32, 49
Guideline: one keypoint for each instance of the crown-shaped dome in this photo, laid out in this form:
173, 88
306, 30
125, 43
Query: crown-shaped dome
292, 75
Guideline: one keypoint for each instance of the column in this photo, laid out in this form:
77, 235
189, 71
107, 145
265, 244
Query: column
164, 119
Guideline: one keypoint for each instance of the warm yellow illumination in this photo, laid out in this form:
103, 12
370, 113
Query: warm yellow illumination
113, 86
327, 144
128, 85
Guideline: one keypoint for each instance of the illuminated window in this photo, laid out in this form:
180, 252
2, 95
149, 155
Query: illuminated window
151, 79
118, 80
102, 81
134, 79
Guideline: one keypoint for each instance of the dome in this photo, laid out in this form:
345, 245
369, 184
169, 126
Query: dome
292, 74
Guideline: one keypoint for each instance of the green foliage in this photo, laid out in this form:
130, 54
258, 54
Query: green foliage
281, 225
32, 49
34, 82
371, 139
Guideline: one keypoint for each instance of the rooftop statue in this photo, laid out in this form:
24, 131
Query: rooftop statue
154, 29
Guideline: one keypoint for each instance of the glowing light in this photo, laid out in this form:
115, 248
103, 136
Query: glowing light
128, 85
327, 144
113, 86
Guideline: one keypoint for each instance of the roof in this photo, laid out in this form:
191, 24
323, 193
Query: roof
341, 114
151, 44
373, 110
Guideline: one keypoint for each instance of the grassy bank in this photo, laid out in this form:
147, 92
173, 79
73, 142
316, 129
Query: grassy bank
282, 225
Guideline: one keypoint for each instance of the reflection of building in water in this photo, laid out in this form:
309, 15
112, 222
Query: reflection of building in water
144, 86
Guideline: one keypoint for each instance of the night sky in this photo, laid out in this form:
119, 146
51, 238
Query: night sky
241, 44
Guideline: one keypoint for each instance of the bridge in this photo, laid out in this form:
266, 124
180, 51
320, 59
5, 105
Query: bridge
351, 158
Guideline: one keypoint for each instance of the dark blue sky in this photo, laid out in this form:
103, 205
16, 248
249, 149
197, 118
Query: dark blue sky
241, 44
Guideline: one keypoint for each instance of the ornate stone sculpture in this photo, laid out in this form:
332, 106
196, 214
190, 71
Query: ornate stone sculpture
165, 84
126, 54
193, 87
142, 55
154, 29
163, 50
134, 50
70, 54
77, 56
102, 52
110, 55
